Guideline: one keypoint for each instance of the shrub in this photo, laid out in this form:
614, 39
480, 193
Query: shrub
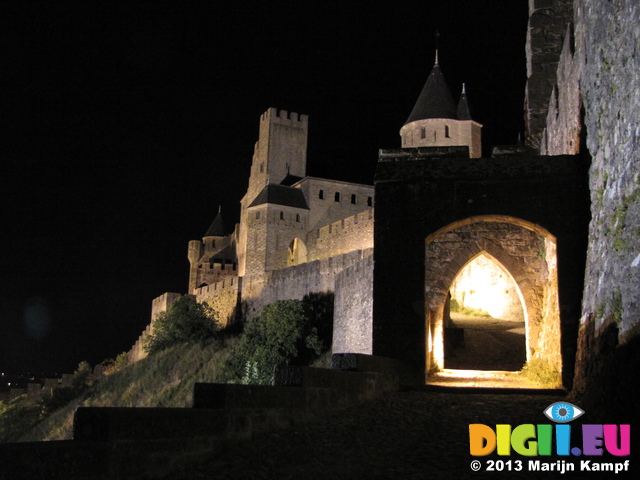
286, 333
186, 321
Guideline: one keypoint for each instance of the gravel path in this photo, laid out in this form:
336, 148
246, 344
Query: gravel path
405, 435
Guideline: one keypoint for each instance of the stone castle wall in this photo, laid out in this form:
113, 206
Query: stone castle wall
594, 112
548, 20
223, 297
353, 318
596, 96
159, 304
346, 235
293, 283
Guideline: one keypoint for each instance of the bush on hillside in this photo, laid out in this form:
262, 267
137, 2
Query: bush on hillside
186, 321
286, 333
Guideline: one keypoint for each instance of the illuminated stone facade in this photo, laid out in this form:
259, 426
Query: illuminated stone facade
296, 233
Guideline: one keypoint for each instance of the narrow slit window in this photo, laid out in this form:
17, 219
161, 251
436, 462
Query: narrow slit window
446, 131
353, 198
337, 196
321, 194
369, 201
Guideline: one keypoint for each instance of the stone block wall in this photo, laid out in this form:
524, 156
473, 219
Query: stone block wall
346, 235
548, 20
610, 86
293, 283
596, 99
353, 307
223, 297
159, 304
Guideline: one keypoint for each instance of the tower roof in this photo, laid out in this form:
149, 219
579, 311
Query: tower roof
217, 228
435, 100
463, 107
281, 195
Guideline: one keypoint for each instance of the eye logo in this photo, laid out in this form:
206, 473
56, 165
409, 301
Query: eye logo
563, 412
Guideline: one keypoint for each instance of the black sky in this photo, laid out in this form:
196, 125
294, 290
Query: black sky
124, 127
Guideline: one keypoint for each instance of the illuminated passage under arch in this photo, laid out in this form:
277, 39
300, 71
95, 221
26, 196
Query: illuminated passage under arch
485, 321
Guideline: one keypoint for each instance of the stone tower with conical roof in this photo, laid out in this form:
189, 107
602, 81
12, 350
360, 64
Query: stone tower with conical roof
214, 257
436, 122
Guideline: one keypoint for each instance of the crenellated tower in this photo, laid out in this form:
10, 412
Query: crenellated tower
279, 158
435, 121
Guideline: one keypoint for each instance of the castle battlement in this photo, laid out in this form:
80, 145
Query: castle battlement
283, 117
226, 284
345, 225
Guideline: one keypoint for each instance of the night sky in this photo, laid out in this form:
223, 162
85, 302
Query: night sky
125, 127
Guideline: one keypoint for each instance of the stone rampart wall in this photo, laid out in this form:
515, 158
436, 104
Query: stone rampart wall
295, 282
347, 235
353, 314
598, 72
223, 297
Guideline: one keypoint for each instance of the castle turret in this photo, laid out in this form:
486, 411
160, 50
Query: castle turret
436, 122
212, 257
216, 231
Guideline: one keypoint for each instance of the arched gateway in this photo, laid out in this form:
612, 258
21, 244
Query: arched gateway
525, 252
437, 209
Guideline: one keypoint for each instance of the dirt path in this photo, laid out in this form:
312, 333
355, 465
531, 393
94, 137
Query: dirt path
489, 344
404, 435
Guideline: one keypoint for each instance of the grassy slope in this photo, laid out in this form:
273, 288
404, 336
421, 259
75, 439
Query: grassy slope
163, 380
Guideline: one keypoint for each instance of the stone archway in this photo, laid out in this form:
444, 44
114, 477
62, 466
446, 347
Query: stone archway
527, 251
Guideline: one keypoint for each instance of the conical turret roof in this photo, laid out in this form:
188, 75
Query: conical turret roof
217, 228
435, 100
463, 106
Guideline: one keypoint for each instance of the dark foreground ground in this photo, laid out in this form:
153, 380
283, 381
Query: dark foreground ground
404, 435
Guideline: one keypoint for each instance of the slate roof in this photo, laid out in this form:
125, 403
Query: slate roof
435, 100
463, 107
217, 228
281, 195
290, 180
